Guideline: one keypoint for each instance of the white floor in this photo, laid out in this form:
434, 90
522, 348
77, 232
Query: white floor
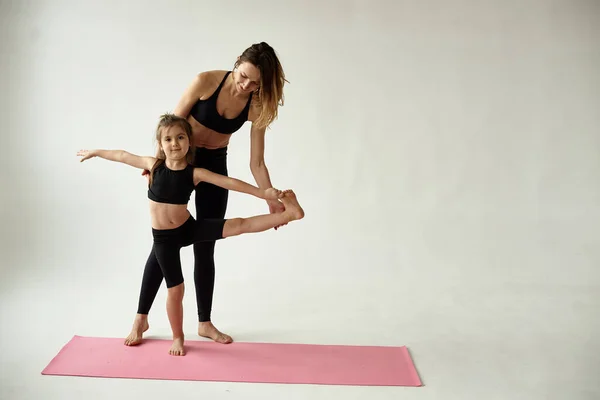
491, 340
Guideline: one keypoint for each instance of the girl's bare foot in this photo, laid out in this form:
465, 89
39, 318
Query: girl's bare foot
292, 207
208, 330
140, 325
177, 347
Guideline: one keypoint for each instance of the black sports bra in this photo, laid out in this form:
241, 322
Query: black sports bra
172, 186
205, 112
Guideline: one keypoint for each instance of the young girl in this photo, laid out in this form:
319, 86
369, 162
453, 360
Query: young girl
172, 180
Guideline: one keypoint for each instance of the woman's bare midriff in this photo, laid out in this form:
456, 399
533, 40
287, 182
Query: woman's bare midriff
207, 138
168, 216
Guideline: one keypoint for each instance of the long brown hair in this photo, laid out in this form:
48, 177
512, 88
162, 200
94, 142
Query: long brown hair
166, 121
272, 79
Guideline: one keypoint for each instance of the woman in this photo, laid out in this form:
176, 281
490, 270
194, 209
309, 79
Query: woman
217, 104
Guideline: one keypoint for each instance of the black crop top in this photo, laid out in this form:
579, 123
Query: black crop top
172, 186
205, 112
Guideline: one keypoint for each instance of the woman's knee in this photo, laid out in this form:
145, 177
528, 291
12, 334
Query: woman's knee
204, 250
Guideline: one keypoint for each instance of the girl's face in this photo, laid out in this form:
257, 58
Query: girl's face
174, 142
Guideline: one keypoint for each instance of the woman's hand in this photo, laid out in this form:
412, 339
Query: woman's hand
275, 206
146, 173
272, 194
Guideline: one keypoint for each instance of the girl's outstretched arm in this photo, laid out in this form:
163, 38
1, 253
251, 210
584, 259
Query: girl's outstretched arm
121, 156
204, 175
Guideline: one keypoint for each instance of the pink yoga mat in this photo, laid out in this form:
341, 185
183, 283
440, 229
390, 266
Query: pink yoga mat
237, 362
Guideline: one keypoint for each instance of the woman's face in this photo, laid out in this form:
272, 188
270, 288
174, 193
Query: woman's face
246, 77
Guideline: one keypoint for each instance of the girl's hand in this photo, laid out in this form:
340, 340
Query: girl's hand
272, 194
85, 154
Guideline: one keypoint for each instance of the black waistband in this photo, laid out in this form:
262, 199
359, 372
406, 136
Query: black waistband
203, 151
173, 231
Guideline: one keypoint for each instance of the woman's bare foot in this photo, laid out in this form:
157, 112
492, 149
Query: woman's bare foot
140, 325
292, 207
208, 330
177, 347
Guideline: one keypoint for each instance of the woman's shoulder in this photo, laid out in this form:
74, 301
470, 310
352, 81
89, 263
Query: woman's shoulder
207, 81
211, 77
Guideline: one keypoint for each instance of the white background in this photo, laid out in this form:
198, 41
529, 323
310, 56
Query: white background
447, 155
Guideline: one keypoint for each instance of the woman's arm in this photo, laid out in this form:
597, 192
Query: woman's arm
121, 156
187, 100
191, 94
259, 168
257, 157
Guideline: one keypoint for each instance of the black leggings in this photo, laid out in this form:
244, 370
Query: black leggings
168, 243
211, 202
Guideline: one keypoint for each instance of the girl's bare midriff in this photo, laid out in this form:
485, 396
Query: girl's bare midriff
168, 216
